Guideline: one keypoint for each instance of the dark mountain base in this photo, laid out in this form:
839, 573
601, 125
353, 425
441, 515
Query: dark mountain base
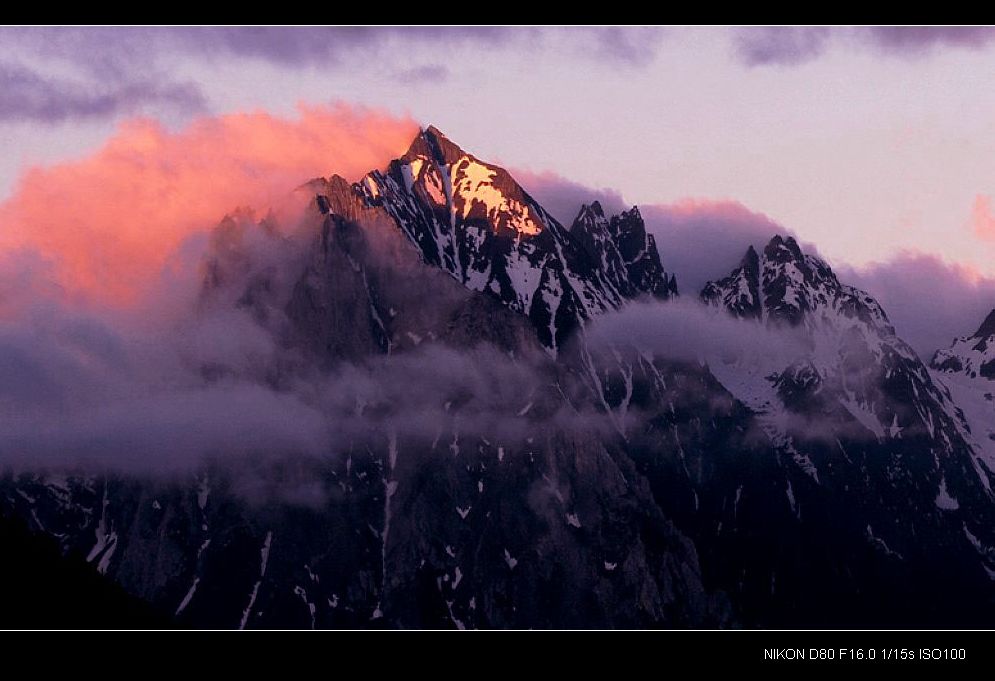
42, 589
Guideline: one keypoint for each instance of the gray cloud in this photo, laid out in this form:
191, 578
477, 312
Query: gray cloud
918, 40
30, 95
794, 45
687, 330
780, 45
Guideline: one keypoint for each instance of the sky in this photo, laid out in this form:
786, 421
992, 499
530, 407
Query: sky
875, 145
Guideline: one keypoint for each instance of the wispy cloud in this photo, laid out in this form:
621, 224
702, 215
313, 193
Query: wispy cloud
793, 45
918, 40
780, 45
31, 95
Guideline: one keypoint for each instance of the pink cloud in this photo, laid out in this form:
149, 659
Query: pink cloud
982, 218
107, 224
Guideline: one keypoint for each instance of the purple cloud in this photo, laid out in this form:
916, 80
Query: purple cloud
634, 46
296, 46
793, 45
702, 240
319, 45
917, 40
928, 300
562, 198
786, 46
29, 95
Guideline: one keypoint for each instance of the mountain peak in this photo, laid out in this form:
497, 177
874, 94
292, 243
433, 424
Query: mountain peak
785, 285
589, 213
432, 143
783, 249
987, 327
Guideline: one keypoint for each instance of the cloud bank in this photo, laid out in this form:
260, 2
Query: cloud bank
702, 240
929, 301
687, 330
107, 224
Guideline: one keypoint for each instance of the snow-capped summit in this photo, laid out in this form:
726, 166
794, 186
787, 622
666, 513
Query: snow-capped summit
847, 363
473, 220
785, 285
973, 356
477, 193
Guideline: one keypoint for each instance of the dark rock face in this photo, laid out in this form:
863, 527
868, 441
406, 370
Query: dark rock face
622, 254
618, 489
556, 531
987, 328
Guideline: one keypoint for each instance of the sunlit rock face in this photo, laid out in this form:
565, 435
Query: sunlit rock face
472, 219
